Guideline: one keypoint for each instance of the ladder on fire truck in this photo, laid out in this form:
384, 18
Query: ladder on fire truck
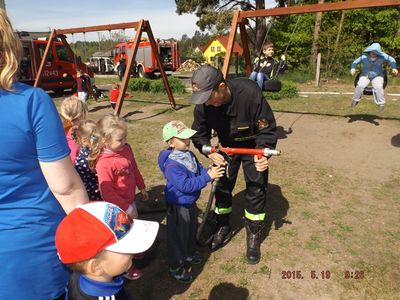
139, 26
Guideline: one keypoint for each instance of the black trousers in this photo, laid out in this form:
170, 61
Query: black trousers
256, 185
181, 233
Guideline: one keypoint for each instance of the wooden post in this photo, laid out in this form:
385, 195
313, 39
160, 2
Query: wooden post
318, 69
44, 58
131, 56
231, 41
159, 63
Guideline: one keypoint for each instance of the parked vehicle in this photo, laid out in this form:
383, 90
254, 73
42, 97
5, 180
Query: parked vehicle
101, 65
145, 64
59, 70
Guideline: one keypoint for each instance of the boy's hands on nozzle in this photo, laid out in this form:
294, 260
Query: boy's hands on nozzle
216, 172
353, 72
395, 72
217, 159
283, 57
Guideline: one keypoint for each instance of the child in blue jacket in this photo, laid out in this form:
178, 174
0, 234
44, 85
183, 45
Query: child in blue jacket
186, 177
372, 61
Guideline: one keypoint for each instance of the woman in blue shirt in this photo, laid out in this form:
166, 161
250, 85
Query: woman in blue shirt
38, 183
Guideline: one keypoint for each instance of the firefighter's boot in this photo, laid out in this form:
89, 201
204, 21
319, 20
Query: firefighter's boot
223, 232
254, 230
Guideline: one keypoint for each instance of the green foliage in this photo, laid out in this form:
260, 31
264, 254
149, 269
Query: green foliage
155, 86
197, 56
289, 90
139, 84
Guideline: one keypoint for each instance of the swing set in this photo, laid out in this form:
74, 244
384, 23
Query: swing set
240, 20
139, 27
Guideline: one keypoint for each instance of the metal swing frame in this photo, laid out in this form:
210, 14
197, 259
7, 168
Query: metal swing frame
239, 20
139, 26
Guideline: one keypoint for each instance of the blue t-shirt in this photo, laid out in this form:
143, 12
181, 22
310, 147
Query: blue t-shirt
30, 131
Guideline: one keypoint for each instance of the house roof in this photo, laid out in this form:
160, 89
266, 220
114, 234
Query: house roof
237, 49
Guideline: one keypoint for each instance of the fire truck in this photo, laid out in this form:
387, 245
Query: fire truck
59, 70
145, 64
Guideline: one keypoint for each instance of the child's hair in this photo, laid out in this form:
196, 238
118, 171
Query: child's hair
115, 85
72, 110
268, 45
105, 129
84, 131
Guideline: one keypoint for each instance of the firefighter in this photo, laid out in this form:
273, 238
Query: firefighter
242, 118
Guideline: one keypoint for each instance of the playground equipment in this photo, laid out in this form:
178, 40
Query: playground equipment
139, 27
240, 20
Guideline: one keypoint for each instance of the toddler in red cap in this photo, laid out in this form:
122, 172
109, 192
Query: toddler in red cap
97, 241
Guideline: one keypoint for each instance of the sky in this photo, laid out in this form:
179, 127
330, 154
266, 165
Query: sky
43, 15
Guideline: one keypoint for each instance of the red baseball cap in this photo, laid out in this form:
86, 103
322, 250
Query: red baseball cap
95, 226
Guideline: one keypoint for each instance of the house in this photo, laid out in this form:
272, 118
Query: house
219, 45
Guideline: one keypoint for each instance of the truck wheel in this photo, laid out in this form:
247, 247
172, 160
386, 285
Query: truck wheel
141, 72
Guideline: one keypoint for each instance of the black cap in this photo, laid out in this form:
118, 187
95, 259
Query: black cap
204, 79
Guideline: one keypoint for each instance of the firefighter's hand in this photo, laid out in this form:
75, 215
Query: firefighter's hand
395, 72
216, 172
217, 159
261, 163
353, 72
145, 195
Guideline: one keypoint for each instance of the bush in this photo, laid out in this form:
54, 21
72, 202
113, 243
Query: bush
139, 84
156, 86
289, 90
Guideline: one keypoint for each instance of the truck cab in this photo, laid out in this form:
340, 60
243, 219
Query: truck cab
59, 70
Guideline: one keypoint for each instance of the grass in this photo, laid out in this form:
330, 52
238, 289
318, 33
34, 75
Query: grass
333, 221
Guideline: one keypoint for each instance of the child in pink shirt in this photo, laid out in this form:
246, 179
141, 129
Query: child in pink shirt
72, 111
119, 176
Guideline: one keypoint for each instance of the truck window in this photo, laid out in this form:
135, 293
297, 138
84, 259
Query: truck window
41, 49
62, 54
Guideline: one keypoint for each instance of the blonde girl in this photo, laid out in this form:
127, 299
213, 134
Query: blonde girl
83, 134
72, 111
117, 170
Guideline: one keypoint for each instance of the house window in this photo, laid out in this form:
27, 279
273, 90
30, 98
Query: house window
218, 48
212, 49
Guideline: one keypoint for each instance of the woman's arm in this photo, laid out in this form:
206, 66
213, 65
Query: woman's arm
65, 183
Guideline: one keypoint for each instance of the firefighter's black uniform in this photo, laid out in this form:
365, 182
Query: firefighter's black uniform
247, 121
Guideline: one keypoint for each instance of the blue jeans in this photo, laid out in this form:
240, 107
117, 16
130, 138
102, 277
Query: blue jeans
259, 77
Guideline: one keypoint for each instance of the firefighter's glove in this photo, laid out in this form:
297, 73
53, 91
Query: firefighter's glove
353, 72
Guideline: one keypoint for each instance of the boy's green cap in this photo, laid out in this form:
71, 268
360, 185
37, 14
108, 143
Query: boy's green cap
177, 129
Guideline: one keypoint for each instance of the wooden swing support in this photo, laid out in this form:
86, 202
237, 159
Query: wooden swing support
240, 20
140, 27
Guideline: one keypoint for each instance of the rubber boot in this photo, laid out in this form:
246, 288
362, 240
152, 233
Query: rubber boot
223, 233
254, 231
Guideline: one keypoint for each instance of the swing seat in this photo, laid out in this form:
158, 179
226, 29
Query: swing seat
368, 90
272, 85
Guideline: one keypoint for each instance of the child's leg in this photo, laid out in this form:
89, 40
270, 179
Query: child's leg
361, 85
377, 88
177, 235
253, 76
260, 79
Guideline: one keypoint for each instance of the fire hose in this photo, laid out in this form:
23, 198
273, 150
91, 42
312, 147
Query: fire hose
205, 237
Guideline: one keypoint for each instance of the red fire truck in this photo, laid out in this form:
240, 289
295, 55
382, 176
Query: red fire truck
58, 72
145, 64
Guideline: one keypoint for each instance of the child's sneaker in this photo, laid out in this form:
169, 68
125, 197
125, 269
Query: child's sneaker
133, 273
194, 259
181, 274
